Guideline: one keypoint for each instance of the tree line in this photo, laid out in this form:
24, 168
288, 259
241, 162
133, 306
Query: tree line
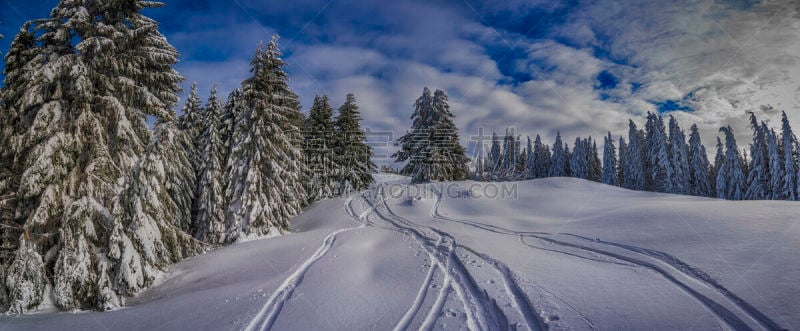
658, 158
95, 200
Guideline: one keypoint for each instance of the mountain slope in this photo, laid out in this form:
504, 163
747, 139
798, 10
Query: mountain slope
560, 254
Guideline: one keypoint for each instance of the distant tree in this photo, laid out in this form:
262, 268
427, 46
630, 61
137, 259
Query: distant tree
699, 168
659, 176
790, 183
623, 161
610, 162
758, 170
679, 158
432, 147
560, 159
776, 175
634, 171
733, 172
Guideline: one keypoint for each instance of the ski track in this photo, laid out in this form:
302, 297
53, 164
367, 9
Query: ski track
690, 280
481, 310
268, 314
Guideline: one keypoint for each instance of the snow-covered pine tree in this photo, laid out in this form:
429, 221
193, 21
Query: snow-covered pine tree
149, 215
446, 136
192, 113
635, 166
209, 207
622, 164
17, 59
431, 147
522, 169
321, 139
610, 162
233, 107
560, 160
733, 172
788, 143
265, 187
659, 177
494, 159
88, 103
699, 177
775, 165
541, 161
718, 176
758, 174
679, 158
595, 166
578, 163
568, 157
510, 155
355, 156
530, 159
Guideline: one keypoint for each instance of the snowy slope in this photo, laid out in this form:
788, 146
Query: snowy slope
565, 254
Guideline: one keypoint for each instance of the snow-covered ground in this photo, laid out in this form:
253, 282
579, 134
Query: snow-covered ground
556, 253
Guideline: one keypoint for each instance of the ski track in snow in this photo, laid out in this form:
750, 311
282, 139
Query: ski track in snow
729, 308
268, 313
482, 311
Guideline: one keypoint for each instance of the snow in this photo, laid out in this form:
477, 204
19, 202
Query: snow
564, 254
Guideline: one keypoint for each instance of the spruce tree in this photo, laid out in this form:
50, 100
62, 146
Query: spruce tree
265, 187
775, 166
635, 168
732, 172
530, 159
679, 158
320, 153
595, 166
719, 176
578, 163
788, 144
431, 147
758, 174
494, 158
609, 162
355, 156
560, 159
623, 161
699, 176
233, 107
209, 220
660, 173
107, 67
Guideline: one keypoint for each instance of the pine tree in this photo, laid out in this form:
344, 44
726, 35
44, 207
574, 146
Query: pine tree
510, 154
530, 159
355, 156
609, 162
265, 185
560, 159
320, 153
699, 176
87, 88
209, 220
679, 158
718, 175
775, 165
659, 176
635, 170
595, 166
233, 107
758, 174
732, 172
578, 163
494, 158
431, 147
623, 161
788, 144
150, 215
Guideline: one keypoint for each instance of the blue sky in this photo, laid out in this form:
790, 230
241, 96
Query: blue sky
581, 67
